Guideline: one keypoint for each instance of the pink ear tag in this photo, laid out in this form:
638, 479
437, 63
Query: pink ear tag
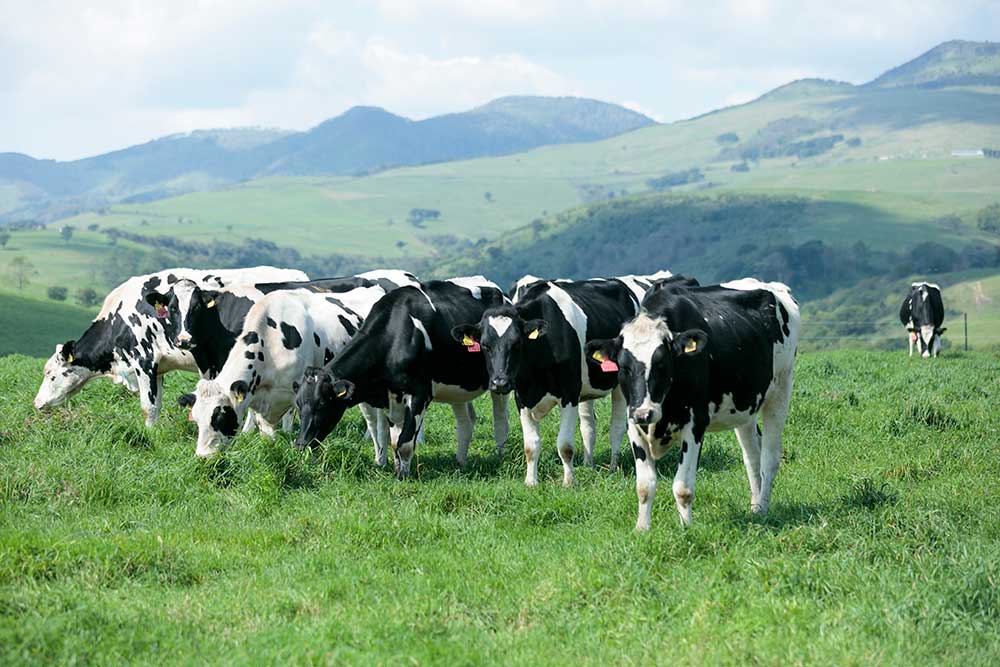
609, 366
190, 415
474, 347
913, 335
161, 311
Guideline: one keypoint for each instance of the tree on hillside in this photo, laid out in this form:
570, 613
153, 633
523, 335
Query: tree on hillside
418, 216
488, 196
20, 271
988, 219
66, 232
86, 296
4, 237
57, 293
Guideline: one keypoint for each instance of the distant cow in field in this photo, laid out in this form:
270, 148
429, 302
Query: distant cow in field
403, 358
284, 333
922, 313
705, 359
128, 343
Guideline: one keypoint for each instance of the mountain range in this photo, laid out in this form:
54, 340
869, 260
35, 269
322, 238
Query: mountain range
361, 140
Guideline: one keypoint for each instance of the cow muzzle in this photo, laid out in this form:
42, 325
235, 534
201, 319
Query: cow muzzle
501, 385
646, 414
183, 341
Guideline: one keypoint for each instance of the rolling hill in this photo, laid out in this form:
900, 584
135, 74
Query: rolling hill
361, 140
813, 161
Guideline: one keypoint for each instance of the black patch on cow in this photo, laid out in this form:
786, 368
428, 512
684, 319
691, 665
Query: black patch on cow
260, 356
134, 320
638, 452
171, 279
340, 304
784, 319
250, 338
271, 323
348, 326
327, 356
290, 336
316, 338
151, 284
249, 367
249, 354
224, 420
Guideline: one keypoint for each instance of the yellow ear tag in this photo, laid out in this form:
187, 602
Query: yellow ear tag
691, 346
240, 397
598, 355
69, 359
341, 393
467, 341
533, 335
210, 304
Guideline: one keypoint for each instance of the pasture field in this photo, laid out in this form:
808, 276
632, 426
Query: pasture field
882, 546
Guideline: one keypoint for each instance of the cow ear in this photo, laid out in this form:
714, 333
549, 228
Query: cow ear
153, 298
342, 389
599, 351
535, 329
239, 389
295, 387
466, 334
689, 343
186, 400
66, 351
941, 330
208, 297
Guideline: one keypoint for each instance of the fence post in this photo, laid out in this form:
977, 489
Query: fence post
965, 319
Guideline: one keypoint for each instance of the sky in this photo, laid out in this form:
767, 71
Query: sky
82, 78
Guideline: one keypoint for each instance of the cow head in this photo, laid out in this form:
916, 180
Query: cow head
321, 400
218, 412
646, 354
502, 337
64, 377
180, 309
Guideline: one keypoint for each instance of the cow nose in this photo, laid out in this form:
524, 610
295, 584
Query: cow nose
184, 341
642, 415
500, 385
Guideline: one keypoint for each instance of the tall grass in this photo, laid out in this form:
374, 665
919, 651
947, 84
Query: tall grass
882, 546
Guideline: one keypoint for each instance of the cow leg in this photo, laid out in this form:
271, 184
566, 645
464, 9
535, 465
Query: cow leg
775, 414
472, 412
150, 393
501, 421
250, 423
619, 423
748, 436
371, 421
463, 432
588, 430
909, 338
645, 478
686, 470
532, 444
408, 418
568, 418
382, 446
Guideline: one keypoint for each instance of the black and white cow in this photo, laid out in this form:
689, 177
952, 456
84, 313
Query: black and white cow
127, 341
706, 359
535, 347
207, 321
639, 284
283, 334
922, 313
403, 358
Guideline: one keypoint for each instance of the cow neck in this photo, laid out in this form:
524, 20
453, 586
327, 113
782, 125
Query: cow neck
215, 340
360, 361
96, 347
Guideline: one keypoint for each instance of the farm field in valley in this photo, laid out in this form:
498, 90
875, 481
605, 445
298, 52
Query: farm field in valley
882, 546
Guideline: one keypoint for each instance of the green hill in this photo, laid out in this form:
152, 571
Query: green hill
32, 327
949, 64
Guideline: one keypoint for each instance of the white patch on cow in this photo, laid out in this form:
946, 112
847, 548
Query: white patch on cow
639, 285
723, 416
420, 327
924, 284
522, 285
574, 315
643, 336
500, 324
474, 284
449, 393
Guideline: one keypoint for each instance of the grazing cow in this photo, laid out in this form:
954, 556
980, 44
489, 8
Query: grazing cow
706, 359
403, 358
922, 313
127, 340
284, 333
535, 348
207, 321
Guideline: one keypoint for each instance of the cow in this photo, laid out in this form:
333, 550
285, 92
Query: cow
284, 333
206, 322
922, 313
403, 358
534, 348
127, 340
706, 359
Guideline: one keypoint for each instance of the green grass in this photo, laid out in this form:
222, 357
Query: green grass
883, 544
28, 326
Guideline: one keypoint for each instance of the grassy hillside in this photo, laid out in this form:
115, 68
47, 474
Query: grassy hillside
30, 327
881, 547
